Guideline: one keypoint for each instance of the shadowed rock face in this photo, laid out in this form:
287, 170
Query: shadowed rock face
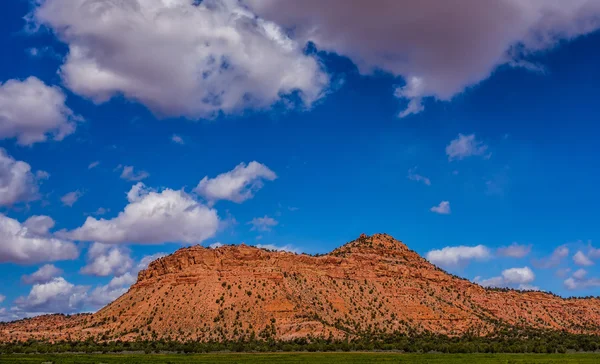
372, 284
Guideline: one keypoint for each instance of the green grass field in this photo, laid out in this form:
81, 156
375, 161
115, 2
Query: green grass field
345, 358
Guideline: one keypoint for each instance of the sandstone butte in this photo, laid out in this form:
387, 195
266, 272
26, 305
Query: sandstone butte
373, 284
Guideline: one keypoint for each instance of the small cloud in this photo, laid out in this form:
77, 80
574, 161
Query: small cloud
177, 139
237, 185
458, 256
514, 251
93, 164
414, 176
579, 280
42, 175
513, 277
292, 209
262, 223
129, 174
215, 245
443, 208
70, 198
582, 260
554, 259
465, 146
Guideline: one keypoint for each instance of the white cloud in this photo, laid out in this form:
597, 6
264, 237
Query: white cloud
582, 260
25, 245
458, 256
17, 182
43, 275
2, 298
55, 296
215, 245
440, 48
513, 277
177, 139
104, 260
414, 176
39, 224
70, 198
465, 146
152, 218
180, 59
129, 174
285, 248
94, 164
237, 185
579, 281
514, 251
263, 223
32, 112
558, 255
443, 208
580, 274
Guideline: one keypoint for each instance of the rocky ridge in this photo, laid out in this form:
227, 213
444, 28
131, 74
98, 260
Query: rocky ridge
372, 285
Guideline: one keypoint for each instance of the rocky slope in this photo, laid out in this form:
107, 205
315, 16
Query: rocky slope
373, 284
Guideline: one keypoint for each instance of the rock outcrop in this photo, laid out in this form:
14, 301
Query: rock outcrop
373, 284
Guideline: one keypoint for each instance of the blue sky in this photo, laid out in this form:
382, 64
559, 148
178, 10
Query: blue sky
473, 156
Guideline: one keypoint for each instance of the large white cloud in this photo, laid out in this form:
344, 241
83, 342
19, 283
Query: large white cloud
29, 243
17, 182
104, 260
55, 296
458, 255
32, 112
439, 47
179, 58
152, 217
237, 185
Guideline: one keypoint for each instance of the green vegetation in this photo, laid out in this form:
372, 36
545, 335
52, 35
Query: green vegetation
510, 341
345, 358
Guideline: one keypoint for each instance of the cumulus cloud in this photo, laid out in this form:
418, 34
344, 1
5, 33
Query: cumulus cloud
152, 217
237, 185
129, 174
70, 198
465, 146
32, 112
17, 182
263, 223
414, 176
514, 277
55, 296
514, 251
458, 256
28, 243
582, 260
104, 260
440, 48
443, 208
557, 256
43, 275
180, 57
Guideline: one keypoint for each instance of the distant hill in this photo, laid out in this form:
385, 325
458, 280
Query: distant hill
372, 285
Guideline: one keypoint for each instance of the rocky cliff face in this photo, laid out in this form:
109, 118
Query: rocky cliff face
373, 284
